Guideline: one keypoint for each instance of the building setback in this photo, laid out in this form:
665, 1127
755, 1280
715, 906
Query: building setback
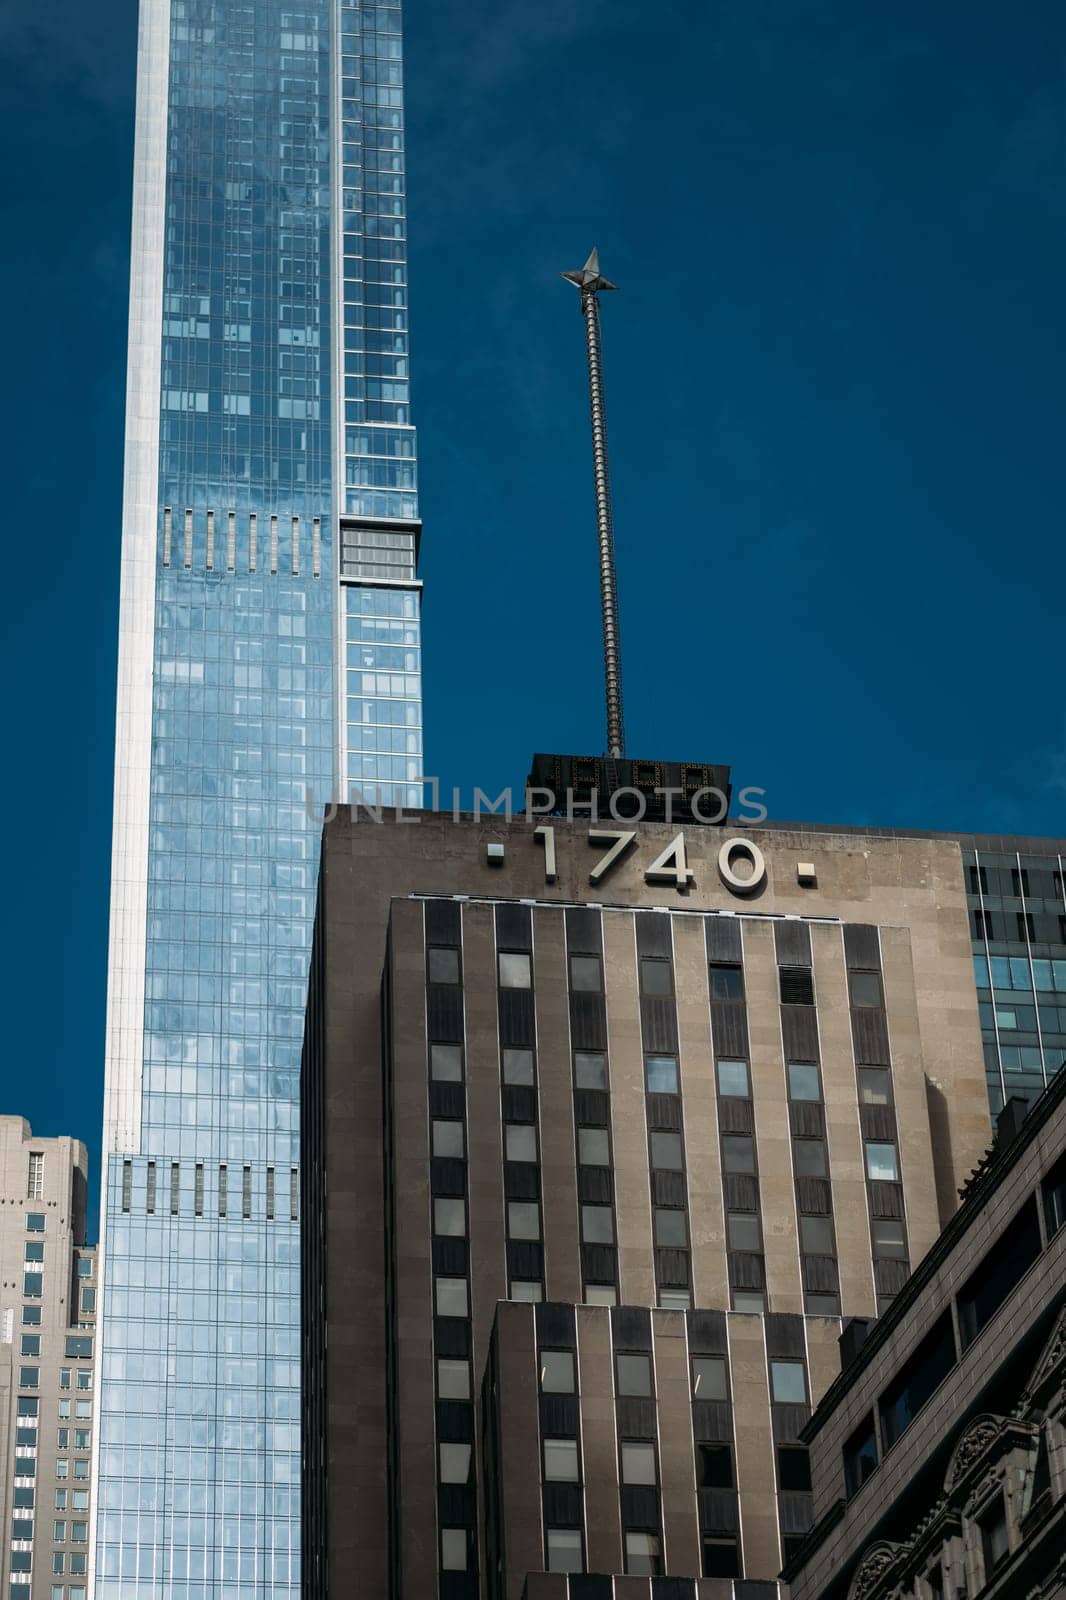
938, 1455
47, 1322
1016, 898
696, 1103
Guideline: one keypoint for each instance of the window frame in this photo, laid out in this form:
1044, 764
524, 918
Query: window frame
793, 1365
506, 960
586, 962
730, 1093
565, 1446
438, 950
736, 969
628, 1356
567, 1362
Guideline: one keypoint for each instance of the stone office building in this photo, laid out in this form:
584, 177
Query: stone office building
47, 1321
938, 1456
681, 1104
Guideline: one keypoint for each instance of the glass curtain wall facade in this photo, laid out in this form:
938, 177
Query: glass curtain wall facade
269, 650
1017, 901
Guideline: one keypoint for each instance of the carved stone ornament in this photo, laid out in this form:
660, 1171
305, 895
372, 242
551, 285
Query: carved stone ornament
978, 1437
875, 1565
1047, 1369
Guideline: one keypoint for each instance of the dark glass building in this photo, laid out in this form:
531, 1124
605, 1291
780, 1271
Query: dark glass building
1016, 891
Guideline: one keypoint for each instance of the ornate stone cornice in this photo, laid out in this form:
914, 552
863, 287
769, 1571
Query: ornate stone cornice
976, 1441
877, 1564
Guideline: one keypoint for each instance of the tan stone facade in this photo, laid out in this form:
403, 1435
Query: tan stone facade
47, 1322
669, 1413
675, 1096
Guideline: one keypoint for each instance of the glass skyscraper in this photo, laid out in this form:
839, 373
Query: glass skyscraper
1016, 889
269, 655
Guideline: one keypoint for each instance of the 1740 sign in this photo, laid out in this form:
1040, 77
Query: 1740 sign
669, 866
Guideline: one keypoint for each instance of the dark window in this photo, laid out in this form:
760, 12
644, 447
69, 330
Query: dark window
638, 1464
866, 989
442, 964
78, 1347
662, 1074
1019, 882
727, 982
1002, 1268
593, 1147
666, 1153
934, 1578
709, 1378
590, 1069
788, 1382
519, 1141
557, 1375
643, 1554
655, 976
586, 974
1026, 929
749, 1303
720, 1558
875, 1086
634, 1375
860, 1455
516, 969
918, 1379
714, 1466
888, 1237
733, 1079
803, 1081
816, 1236
447, 1139
597, 1224
34, 1222
797, 986
808, 1158
738, 1153
995, 1540
742, 1231
982, 925
561, 1461
446, 1063
793, 1467
670, 1230
978, 880
1054, 1187
565, 1550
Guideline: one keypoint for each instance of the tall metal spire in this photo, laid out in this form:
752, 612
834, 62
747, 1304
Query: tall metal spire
591, 282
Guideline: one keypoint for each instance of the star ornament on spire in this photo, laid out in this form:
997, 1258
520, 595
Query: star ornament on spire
590, 279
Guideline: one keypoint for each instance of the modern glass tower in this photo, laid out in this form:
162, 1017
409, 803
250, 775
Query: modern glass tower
269, 652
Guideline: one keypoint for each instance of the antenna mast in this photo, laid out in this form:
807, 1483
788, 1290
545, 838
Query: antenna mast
591, 282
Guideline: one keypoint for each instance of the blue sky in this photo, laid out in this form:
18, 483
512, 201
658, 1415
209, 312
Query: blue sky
836, 402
